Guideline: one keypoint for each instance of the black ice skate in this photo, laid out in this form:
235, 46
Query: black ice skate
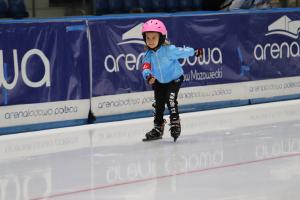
175, 129
156, 133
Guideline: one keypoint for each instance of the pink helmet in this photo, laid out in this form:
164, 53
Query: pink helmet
154, 25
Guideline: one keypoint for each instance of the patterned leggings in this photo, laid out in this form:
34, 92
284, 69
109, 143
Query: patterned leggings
166, 93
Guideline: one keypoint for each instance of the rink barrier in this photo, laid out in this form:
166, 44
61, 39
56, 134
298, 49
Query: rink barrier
69, 68
183, 109
42, 126
84, 137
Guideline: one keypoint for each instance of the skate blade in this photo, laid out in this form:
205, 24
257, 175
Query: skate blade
147, 139
175, 139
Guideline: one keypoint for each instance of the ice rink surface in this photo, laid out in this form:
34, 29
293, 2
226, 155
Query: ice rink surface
242, 153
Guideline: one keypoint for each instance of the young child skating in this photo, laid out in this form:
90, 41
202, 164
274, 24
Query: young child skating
162, 70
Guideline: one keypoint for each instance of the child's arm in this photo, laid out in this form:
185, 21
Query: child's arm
179, 52
147, 75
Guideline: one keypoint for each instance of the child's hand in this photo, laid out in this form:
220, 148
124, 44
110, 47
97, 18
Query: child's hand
151, 79
199, 52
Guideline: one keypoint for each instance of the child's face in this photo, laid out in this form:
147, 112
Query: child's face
152, 39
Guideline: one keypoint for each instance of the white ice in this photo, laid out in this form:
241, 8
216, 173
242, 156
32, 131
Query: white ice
242, 153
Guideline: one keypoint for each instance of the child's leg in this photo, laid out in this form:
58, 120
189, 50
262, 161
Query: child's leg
158, 110
173, 89
172, 94
159, 104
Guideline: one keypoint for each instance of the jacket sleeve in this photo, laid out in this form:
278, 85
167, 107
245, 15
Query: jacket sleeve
146, 68
179, 52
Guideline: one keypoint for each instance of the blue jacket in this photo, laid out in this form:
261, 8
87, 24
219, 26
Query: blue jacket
163, 64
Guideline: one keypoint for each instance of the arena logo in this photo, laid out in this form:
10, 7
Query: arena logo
132, 61
133, 36
24, 69
210, 55
283, 26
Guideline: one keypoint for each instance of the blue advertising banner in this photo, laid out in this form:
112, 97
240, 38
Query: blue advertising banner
43, 62
117, 47
247, 55
272, 43
116, 68
55, 71
44, 72
233, 46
